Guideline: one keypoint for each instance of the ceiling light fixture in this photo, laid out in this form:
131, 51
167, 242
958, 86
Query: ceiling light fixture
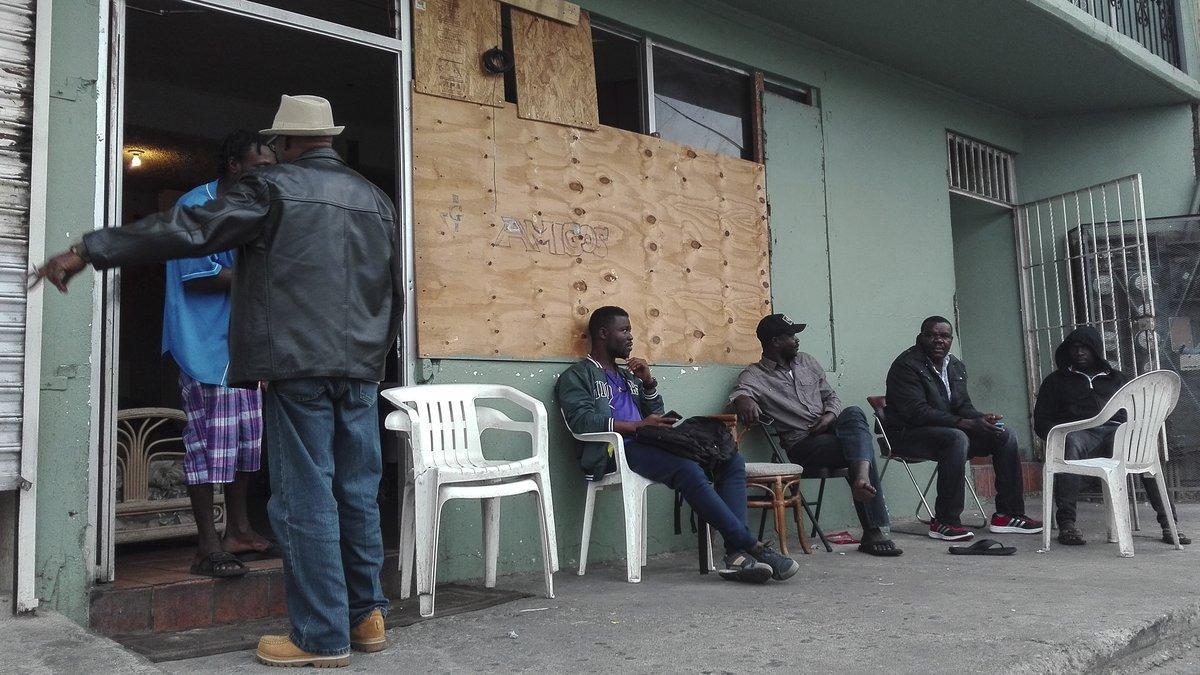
136, 160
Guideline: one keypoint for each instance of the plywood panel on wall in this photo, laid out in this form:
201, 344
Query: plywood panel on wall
449, 38
523, 228
555, 70
567, 12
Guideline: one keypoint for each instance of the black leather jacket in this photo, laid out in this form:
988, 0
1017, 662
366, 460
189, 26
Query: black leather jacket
917, 398
318, 286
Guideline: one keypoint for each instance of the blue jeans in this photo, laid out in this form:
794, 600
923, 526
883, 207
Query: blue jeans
847, 440
721, 503
323, 451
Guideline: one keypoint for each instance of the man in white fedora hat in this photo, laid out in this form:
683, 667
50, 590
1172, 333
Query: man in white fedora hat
316, 305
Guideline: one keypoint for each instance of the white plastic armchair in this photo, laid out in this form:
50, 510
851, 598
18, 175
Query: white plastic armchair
633, 497
1146, 400
444, 424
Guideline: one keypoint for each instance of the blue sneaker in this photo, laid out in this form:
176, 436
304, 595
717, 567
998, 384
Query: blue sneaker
741, 566
782, 567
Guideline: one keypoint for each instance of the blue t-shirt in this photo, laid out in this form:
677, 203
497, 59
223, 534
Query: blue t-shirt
196, 325
624, 408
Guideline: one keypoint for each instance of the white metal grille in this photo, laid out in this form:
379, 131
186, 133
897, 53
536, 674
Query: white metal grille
976, 169
1084, 261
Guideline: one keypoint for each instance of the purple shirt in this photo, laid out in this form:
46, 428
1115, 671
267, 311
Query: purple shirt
624, 408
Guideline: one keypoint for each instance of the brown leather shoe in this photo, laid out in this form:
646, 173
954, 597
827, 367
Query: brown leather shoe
279, 650
369, 635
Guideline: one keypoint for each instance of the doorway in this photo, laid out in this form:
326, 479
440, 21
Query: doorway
188, 73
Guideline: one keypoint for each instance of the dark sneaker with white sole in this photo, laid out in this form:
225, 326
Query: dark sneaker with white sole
782, 567
741, 566
948, 532
1183, 538
1003, 523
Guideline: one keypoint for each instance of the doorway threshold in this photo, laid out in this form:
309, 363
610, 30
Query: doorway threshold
199, 642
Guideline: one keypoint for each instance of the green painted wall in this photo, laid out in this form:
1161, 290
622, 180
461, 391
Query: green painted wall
989, 309
63, 535
1068, 153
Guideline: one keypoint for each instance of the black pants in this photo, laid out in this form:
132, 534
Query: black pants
847, 440
1097, 442
951, 448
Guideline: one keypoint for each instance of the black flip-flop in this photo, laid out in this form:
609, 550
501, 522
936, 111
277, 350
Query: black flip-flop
211, 566
880, 548
983, 547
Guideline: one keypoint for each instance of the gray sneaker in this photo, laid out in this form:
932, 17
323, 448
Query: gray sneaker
782, 567
741, 566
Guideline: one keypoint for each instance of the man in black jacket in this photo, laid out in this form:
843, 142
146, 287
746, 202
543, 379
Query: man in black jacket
930, 416
317, 299
1081, 385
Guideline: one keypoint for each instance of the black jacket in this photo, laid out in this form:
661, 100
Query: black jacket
917, 398
1067, 395
318, 285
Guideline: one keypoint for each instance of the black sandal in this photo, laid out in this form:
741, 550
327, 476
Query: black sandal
884, 548
983, 547
1070, 536
219, 565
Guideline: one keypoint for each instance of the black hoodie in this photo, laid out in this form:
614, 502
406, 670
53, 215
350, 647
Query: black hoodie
1067, 395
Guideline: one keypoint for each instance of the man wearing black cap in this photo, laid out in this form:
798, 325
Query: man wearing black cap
789, 387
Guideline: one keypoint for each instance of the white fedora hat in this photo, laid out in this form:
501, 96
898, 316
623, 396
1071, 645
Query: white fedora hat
303, 116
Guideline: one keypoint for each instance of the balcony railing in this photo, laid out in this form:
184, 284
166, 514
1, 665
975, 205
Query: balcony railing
1153, 23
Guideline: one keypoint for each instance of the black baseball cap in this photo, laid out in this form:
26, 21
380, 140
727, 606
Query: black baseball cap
777, 324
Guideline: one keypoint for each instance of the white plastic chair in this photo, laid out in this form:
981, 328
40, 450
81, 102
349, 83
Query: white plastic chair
1146, 400
444, 424
633, 497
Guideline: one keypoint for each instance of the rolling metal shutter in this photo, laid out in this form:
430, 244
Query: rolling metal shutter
16, 108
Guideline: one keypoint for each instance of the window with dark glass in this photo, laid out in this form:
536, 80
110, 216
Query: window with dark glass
702, 105
618, 80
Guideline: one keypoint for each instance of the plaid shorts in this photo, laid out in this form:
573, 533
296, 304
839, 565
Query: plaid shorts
223, 434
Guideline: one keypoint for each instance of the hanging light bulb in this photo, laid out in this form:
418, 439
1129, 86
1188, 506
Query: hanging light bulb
136, 160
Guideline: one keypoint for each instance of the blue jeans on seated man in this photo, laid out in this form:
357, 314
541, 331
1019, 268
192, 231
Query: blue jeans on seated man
322, 437
721, 503
847, 440
1097, 442
951, 447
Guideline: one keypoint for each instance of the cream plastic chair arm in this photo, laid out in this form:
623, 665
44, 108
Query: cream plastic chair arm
408, 421
610, 437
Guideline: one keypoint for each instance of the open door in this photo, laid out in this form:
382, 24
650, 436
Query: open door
1084, 260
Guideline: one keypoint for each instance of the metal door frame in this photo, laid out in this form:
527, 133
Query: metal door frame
107, 296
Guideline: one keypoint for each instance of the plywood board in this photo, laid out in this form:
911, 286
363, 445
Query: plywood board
566, 12
555, 70
449, 39
523, 228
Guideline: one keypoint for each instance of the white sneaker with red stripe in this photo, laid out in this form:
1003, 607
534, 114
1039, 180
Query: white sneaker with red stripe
948, 532
1003, 523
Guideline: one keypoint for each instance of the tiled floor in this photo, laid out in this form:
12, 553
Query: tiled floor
165, 565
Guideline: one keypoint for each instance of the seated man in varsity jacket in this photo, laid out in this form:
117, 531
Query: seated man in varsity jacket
597, 395
1077, 390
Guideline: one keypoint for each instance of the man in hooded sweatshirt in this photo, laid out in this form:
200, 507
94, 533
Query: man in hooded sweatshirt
1079, 387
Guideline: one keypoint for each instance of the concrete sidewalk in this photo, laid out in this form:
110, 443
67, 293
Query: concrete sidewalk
1069, 610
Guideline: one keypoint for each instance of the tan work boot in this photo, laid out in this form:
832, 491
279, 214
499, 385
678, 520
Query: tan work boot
279, 650
369, 636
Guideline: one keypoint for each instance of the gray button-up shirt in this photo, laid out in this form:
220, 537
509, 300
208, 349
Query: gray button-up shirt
794, 396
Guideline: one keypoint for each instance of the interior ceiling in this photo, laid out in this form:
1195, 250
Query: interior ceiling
255, 61
1009, 53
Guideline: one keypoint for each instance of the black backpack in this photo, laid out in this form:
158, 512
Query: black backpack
703, 440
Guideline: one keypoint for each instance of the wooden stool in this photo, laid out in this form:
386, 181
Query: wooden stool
777, 481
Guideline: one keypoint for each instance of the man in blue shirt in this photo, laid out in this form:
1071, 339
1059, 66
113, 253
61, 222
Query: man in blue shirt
223, 435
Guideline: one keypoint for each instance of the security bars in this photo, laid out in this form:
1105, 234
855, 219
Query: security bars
976, 169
